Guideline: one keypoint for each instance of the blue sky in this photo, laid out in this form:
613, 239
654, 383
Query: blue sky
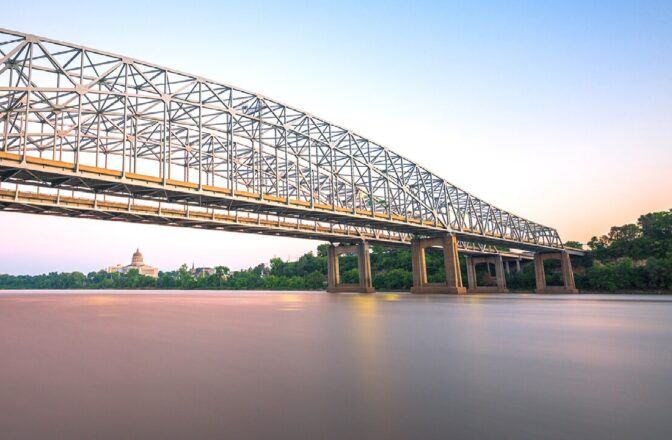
558, 112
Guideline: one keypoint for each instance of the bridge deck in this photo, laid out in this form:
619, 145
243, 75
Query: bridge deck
107, 194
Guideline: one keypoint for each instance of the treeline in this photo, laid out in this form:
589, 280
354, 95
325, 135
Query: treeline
392, 268
634, 256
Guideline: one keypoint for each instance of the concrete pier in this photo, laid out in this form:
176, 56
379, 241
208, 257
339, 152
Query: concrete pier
497, 262
365, 284
565, 268
453, 283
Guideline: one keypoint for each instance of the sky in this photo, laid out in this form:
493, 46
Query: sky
560, 113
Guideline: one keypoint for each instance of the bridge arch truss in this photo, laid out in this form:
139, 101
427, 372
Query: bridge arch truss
102, 125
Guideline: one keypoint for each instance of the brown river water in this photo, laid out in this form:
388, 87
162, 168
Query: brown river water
301, 365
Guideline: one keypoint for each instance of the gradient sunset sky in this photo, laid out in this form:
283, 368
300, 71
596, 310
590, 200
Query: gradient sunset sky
559, 113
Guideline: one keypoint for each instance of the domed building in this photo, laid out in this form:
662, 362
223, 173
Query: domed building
137, 263
137, 260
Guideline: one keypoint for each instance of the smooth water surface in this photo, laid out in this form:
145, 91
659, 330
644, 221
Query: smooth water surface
313, 365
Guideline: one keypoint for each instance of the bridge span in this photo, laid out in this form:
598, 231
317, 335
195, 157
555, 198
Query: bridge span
86, 133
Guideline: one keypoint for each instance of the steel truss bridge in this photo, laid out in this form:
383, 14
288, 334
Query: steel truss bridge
86, 133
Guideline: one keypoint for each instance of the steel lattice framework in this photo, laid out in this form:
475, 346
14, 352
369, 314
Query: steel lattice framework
103, 125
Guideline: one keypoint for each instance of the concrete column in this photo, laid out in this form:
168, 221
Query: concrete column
499, 274
518, 265
333, 275
539, 274
471, 274
506, 267
365, 279
567, 272
418, 263
451, 263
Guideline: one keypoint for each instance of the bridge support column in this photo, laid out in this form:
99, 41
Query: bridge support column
334, 284
453, 283
333, 270
471, 274
497, 261
565, 268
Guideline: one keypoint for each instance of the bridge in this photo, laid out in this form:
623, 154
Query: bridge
90, 134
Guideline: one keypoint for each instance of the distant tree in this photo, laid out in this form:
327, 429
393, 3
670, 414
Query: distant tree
315, 280
659, 271
260, 270
573, 244
184, 278
322, 250
656, 230
394, 279
350, 276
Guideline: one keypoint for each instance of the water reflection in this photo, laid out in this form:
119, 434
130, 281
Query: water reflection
289, 302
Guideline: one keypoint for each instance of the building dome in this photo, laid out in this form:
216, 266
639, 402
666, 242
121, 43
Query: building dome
137, 259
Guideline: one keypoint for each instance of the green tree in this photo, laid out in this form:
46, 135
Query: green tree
573, 244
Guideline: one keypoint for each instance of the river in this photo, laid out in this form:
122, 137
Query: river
305, 365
